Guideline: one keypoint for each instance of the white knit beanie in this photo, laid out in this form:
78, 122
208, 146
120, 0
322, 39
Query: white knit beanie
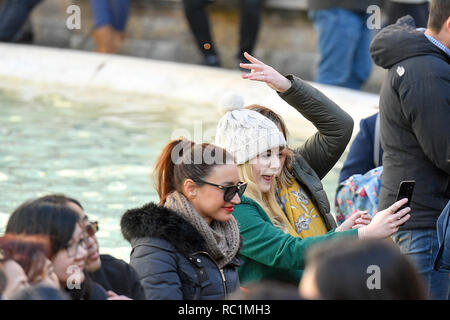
246, 134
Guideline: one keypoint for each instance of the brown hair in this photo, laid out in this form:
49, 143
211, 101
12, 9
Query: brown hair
182, 159
439, 13
342, 271
29, 251
286, 176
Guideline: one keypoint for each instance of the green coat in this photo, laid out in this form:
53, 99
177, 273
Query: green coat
268, 252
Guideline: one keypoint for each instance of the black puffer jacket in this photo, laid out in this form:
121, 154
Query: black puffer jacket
414, 120
171, 258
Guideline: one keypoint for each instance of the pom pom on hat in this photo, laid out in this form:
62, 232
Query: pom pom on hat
230, 101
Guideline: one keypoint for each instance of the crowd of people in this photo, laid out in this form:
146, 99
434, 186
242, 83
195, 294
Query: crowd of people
343, 34
247, 217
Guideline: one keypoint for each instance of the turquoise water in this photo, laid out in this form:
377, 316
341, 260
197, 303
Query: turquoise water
97, 147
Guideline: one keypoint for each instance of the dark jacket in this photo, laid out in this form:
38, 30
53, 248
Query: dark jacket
171, 258
353, 5
320, 152
442, 260
360, 158
118, 276
414, 120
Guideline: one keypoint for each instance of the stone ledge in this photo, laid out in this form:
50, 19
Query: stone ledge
275, 4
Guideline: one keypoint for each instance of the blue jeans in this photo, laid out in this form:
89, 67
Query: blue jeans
110, 12
13, 15
344, 40
422, 247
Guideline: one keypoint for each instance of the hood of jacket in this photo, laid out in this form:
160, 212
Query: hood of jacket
399, 42
155, 221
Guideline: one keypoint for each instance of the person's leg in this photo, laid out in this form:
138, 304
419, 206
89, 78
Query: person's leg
119, 13
419, 12
13, 15
103, 33
422, 246
362, 61
195, 11
101, 13
338, 32
249, 26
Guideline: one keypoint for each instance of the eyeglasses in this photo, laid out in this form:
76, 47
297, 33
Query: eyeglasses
72, 249
2, 256
229, 191
92, 228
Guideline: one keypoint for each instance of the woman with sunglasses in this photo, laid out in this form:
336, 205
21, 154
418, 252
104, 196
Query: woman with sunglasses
278, 220
68, 244
186, 247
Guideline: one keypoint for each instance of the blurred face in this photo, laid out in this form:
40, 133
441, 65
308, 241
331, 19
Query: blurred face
70, 262
266, 167
93, 262
16, 279
308, 287
48, 276
208, 200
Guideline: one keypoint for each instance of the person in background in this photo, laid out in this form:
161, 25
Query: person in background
15, 278
418, 9
195, 11
40, 292
112, 274
110, 19
414, 128
343, 40
68, 243
2, 282
32, 253
186, 248
360, 270
13, 16
365, 152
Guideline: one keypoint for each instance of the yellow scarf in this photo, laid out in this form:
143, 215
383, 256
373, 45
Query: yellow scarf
300, 211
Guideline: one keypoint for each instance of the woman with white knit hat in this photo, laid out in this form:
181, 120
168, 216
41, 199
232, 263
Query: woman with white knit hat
274, 244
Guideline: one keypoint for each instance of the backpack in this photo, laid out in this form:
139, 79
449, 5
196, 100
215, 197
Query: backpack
359, 192
442, 261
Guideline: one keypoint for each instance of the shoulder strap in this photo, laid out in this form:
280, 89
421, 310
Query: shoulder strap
376, 143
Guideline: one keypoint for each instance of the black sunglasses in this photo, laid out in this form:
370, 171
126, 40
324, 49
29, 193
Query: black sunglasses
229, 191
92, 228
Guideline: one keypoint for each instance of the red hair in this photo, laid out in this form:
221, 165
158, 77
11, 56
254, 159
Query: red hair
30, 251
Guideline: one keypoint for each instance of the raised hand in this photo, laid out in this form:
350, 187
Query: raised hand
263, 72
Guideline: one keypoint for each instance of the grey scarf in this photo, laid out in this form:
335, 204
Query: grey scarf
222, 238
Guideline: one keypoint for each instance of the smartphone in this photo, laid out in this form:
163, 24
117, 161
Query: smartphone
405, 190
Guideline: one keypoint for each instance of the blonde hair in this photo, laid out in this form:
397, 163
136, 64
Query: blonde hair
266, 200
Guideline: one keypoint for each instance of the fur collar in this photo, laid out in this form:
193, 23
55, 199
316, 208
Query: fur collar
155, 221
